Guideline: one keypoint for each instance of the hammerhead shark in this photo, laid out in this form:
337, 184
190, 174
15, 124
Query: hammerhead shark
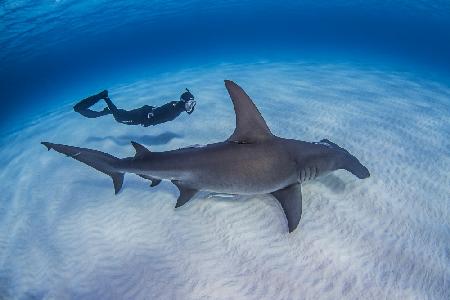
251, 161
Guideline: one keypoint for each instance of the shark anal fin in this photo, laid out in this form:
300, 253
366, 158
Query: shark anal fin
290, 199
155, 182
250, 125
141, 151
117, 181
186, 193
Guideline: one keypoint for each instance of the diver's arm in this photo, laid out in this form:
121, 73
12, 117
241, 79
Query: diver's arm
166, 112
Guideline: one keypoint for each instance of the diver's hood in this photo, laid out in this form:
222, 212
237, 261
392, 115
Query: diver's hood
186, 96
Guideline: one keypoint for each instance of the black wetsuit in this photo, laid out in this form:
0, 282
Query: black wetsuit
145, 116
167, 112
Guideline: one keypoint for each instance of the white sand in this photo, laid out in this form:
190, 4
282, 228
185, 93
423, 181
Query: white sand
64, 235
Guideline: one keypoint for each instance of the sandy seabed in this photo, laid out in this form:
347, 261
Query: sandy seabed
64, 235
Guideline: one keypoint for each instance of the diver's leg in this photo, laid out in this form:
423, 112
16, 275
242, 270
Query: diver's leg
91, 100
112, 108
120, 115
83, 106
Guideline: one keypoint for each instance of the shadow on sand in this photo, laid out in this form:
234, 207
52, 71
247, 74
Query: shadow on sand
123, 140
333, 183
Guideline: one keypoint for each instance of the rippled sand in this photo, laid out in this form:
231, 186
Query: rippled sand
64, 235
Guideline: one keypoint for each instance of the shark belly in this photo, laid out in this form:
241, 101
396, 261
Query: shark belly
224, 168
245, 169
254, 180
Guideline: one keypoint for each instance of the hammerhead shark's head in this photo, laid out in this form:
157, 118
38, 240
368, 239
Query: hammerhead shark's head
251, 161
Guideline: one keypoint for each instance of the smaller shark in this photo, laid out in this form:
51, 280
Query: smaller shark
251, 161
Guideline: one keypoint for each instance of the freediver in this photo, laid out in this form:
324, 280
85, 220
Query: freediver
146, 115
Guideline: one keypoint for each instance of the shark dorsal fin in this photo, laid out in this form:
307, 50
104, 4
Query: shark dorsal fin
141, 151
250, 125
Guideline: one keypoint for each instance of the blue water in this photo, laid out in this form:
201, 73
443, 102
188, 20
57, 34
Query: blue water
372, 76
58, 51
65, 235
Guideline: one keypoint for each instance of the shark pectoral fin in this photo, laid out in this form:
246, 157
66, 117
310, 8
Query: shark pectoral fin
153, 181
141, 151
290, 199
250, 125
186, 193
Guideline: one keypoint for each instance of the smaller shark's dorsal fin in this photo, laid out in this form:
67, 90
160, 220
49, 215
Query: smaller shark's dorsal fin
141, 151
250, 125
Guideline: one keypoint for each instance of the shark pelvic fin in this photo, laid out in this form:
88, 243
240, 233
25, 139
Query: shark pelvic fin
186, 193
290, 199
250, 125
141, 151
153, 181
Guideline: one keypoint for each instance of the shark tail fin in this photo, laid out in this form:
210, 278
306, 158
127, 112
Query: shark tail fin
98, 160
